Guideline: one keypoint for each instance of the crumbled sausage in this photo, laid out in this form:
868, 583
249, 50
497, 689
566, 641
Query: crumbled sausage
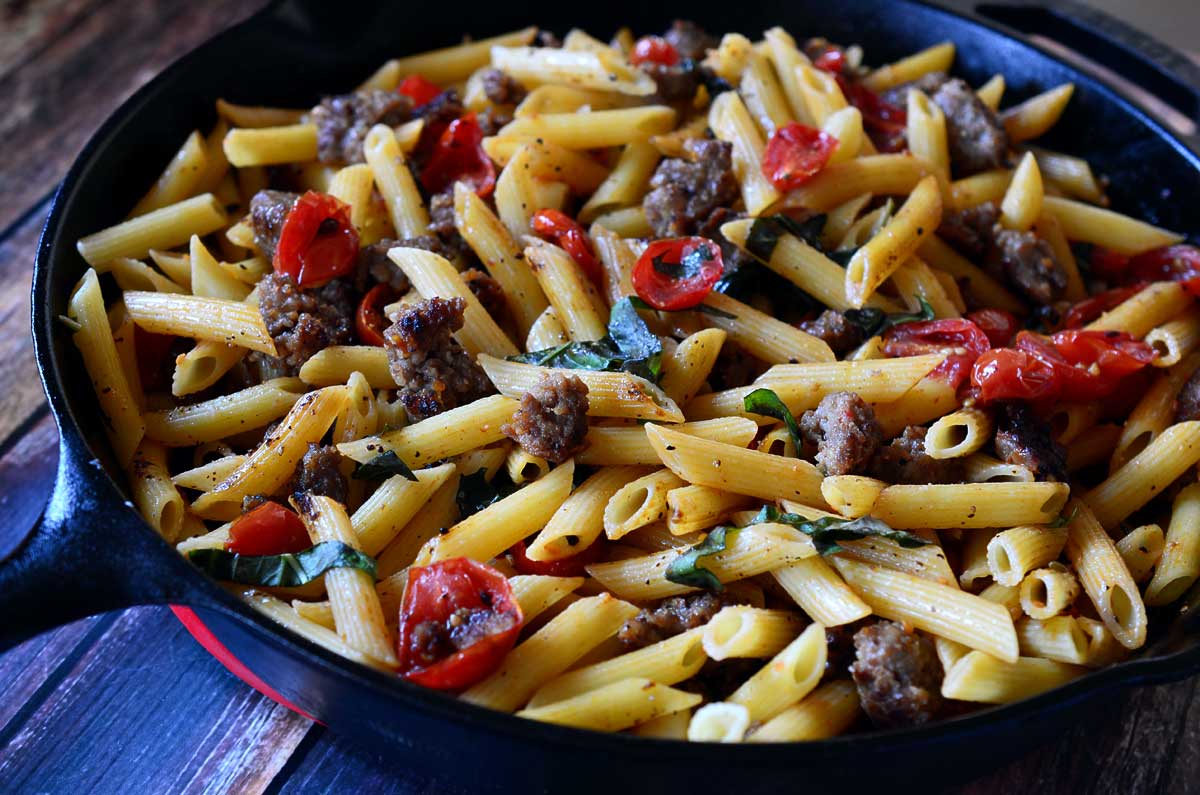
373, 262
671, 617
343, 121
838, 333
927, 84
432, 369
971, 230
689, 39
1028, 263
441, 224
685, 191
1023, 438
974, 134
551, 421
905, 461
502, 89
845, 431
488, 292
898, 674
1187, 402
732, 257
268, 211
432, 641
675, 82
318, 473
303, 322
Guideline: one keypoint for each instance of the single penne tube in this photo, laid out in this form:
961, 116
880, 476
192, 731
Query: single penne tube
1022, 203
846, 125
872, 264
272, 463
626, 183
334, 365
731, 122
970, 505
820, 592
1073, 175
1176, 338
882, 175
550, 162
937, 58
1153, 414
1068, 421
617, 258
1179, 565
594, 130
1049, 229
926, 132
597, 69
729, 58
1013, 553
1103, 648
938, 609
668, 727
576, 302
450, 433
785, 56
628, 445
927, 562
214, 319
763, 95
225, 415
209, 279
1058, 638
280, 612
691, 508
983, 678
719, 722
1167, 457
357, 613
393, 505
571, 634
667, 662
828, 711
930, 398
1088, 224
546, 332
840, 219
685, 370
822, 94
1141, 549
353, 185
802, 386
610, 394
535, 593
1139, 314
788, 677
1036, 115
395, 183
740, 631
1007, 596
133, 274
163, 228
269, 146
749, 551
851, 495
615, 707
205, 476
438, 512
723, 466
941, 257
180, 179
523, 466
991, 92
1105, 578
257, 115
484, 535
765, 337
154, 493
1048, 592
639, 503
579, 521
778, 441
550, 98
958, 434
916, 281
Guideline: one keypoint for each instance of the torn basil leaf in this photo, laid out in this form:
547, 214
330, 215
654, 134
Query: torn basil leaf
827, 532
768, 404
629, 346
765, 233
871, 321
476, 492
686, 569
382, 467
281, 571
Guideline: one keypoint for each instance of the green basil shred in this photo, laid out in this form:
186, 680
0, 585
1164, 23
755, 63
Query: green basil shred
767, 403
629, 346
765, 232
281, 571
476, 492
686, 569
871, 321
382, 467
827, 532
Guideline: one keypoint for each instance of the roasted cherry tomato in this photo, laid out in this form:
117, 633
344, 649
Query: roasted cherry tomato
270, 529
1179, 263
570, 236
677, 273
795, 153
317, 242
571, 566
654, 49
418, 89
955, 335
1007, 374
832, 60
1087, 310
1108, 264
458, 156
954, 369
370, 319
884, 121
458, 620
998, 324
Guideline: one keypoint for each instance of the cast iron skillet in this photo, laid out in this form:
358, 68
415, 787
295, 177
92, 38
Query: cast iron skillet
91, 552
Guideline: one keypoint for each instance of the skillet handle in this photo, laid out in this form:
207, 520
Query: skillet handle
88, 553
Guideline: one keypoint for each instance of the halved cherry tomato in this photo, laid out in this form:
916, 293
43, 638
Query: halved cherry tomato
677, 273
571, 566
884, 121
270, 529
458, 620
1104, 356
1178, 263
795, 153
1007, 374
999, 325
458, 156
832, 60
420, 90
654, 49
318, 242
956, 335
1087, 310
369, 319
954, 369
570, 236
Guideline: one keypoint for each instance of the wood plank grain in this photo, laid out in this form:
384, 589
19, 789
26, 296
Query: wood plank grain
86, 59
27, 470
147, 710
27, 669
20, 390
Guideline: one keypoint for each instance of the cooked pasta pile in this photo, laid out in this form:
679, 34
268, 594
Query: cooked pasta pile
707, 389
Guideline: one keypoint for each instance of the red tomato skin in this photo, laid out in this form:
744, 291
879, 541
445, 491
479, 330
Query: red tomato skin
1087, 310
458, 156
317, 242
795, 154
1177, 263
665, 292
571, 566
1007, 374
270, 529
369, 320
832, 60
884, 119
433, 593
570, 236
999, 325
934, 336
654, 49
418, 89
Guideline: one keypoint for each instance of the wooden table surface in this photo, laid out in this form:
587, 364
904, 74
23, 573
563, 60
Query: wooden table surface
128, 702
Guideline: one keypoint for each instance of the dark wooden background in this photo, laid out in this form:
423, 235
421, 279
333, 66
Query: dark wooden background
129, 702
